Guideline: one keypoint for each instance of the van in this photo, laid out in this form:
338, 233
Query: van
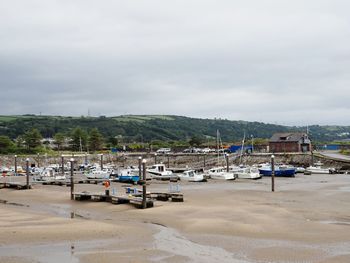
164, 150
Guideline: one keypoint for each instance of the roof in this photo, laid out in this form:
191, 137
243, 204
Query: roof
288, 137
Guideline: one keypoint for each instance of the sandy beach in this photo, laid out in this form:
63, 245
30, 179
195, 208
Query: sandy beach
307, 219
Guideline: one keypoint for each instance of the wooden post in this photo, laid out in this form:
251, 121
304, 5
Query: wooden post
62, 162
272, 173
155, 158
27, 172
227, 163
15, 165
71, 179
101, 161
144, 204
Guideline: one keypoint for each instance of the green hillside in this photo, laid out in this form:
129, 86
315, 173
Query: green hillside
158, 127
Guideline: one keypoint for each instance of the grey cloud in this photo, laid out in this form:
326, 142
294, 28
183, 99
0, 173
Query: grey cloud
274, 61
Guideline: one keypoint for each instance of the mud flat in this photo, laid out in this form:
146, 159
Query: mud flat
307, 219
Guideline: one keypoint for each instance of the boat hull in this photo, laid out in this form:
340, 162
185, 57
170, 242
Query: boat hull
289, 172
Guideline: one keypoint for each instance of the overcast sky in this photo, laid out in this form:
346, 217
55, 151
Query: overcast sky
275, 61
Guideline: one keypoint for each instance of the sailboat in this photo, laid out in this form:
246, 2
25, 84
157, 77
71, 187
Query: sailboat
245, 171
220, 172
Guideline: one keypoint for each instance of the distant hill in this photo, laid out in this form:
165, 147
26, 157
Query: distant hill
160, 127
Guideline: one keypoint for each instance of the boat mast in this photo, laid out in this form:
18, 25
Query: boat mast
240, 157
217, 144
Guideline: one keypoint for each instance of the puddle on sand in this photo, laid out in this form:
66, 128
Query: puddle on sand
335, 222
48, 253
54, 252
171, 241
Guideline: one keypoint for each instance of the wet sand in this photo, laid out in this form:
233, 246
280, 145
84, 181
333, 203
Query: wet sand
307, 219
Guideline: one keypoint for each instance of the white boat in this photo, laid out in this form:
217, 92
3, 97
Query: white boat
221, 173
159, 171
191, 176
246, 172
99, 174
48, 174
317, 169
299, 169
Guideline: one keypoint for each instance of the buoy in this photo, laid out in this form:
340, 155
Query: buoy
107, 184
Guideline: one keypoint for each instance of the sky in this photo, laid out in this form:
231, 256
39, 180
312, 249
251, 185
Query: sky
274, 61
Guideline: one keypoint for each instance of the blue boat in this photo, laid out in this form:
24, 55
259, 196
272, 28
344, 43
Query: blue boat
128, 175
282, 171
129, 178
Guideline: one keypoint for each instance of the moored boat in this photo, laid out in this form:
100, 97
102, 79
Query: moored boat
192, 176
221, 174
280, 170
159, 171
246, 172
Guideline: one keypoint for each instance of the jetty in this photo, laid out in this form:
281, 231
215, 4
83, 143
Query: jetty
133, 197
15, 185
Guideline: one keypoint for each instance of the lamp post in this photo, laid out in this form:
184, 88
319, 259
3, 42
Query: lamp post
86, 159
140, 168
168, 159
101, 161
72, 179
15, 165
62, 162
38, 156
144, 204
272, 173
27, 172
227, 162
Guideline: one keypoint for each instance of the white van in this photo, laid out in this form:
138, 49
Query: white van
164, 150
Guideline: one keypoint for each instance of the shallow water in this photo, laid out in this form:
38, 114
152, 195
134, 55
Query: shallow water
171, 241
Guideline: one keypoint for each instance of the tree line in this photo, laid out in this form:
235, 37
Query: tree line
32, 141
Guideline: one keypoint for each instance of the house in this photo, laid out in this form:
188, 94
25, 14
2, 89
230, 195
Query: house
290, 142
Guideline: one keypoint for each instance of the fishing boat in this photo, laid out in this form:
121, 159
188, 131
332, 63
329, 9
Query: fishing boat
280, 170
98, 174
159, 171
221, 174
192, 176
246, 172
317, 169
128, 175
48, 174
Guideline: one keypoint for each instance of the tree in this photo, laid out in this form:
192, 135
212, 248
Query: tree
6, 145
32, 139
79, 139
195, 141
59, 140
95, 140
